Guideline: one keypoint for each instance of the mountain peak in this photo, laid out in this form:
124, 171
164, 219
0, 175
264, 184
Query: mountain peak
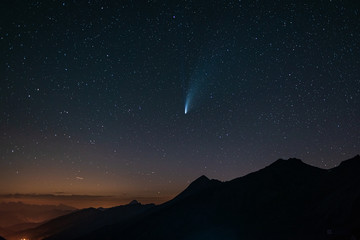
293, 167
291, 162
201, 179
200, 184
133, 202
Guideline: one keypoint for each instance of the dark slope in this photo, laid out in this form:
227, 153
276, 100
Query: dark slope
83, 221
345, 215
286, 200
59, 224
116, 215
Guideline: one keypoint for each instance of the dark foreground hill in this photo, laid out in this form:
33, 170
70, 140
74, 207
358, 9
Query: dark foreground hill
286, 200
83, 221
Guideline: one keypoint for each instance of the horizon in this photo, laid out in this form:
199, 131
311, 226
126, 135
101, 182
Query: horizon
108, 201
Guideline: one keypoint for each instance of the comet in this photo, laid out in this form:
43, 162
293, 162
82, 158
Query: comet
204, 77
189, 99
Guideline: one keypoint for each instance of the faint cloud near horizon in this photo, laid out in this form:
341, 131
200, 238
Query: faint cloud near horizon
79, 201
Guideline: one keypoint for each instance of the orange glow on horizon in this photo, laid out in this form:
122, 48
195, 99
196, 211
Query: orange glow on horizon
84, 201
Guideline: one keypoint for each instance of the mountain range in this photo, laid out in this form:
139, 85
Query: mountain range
285, 200
15, 213
18, 216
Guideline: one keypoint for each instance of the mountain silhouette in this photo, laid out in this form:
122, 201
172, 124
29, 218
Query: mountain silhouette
134, 202
286, 200
200, 184
83, 221
17, 213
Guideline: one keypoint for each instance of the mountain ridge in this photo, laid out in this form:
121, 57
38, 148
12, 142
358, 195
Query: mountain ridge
285, 198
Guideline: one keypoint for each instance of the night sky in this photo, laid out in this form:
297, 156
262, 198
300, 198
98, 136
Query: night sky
94, 94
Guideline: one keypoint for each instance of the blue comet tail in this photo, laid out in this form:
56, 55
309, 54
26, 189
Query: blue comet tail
187, 103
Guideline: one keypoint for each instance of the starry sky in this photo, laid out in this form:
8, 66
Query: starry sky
93, 93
